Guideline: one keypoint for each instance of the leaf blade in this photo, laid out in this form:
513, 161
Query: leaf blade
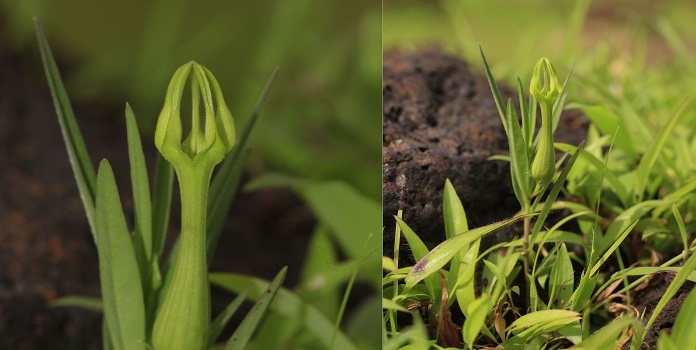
121, 287
77, 151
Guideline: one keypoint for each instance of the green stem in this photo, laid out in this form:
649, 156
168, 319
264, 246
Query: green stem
547, 130
525, 253
185, 309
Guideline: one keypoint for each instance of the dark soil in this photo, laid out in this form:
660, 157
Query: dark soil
440, 122
46, 249
646, 297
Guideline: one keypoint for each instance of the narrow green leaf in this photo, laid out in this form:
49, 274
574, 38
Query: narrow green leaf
475, 319
616, 185
625, 219
647, 162
649, 270
610, 250
243, 333
665, 342
75, 144
161, 203
443, 253
79, 301
539, 318
499, 102
222, 192
683, 330
519, 163
562, 279
225, 183
389, 304
607, 337
572, 332
682, 229
534, 334
582, 296
463, 287
420, 250
141, 198
453, 212
121, 288
455, 222
287, 304
224, 317
519, 157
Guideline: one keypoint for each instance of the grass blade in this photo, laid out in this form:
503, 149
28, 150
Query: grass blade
683, 332
419, 250
443, 253
287, 304
562, 279
79, 301
75, 144
141, 198
121, 288
539, 318
610, 250
243, 333
224, 317
647, 162
519, 159
222, 193
453, 212
161, 203
225, 183
607, 337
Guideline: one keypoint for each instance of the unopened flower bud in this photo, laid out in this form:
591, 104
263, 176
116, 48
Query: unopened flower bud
546, 87
182, 320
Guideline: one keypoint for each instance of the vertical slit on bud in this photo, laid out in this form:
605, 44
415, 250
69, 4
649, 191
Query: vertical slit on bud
193, 127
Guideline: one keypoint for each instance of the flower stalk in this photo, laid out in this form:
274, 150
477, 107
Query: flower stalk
183, 318
546, 87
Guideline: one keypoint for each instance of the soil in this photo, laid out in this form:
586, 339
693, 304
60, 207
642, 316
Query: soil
440, 122
646, 297
46, 249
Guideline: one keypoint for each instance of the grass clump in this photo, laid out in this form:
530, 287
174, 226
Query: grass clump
556, 287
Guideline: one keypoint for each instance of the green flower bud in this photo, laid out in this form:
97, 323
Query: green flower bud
182, 320
546, 87
207, 143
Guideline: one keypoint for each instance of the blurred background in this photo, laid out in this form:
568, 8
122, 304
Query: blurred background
319, 128
610, 38
321, 121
